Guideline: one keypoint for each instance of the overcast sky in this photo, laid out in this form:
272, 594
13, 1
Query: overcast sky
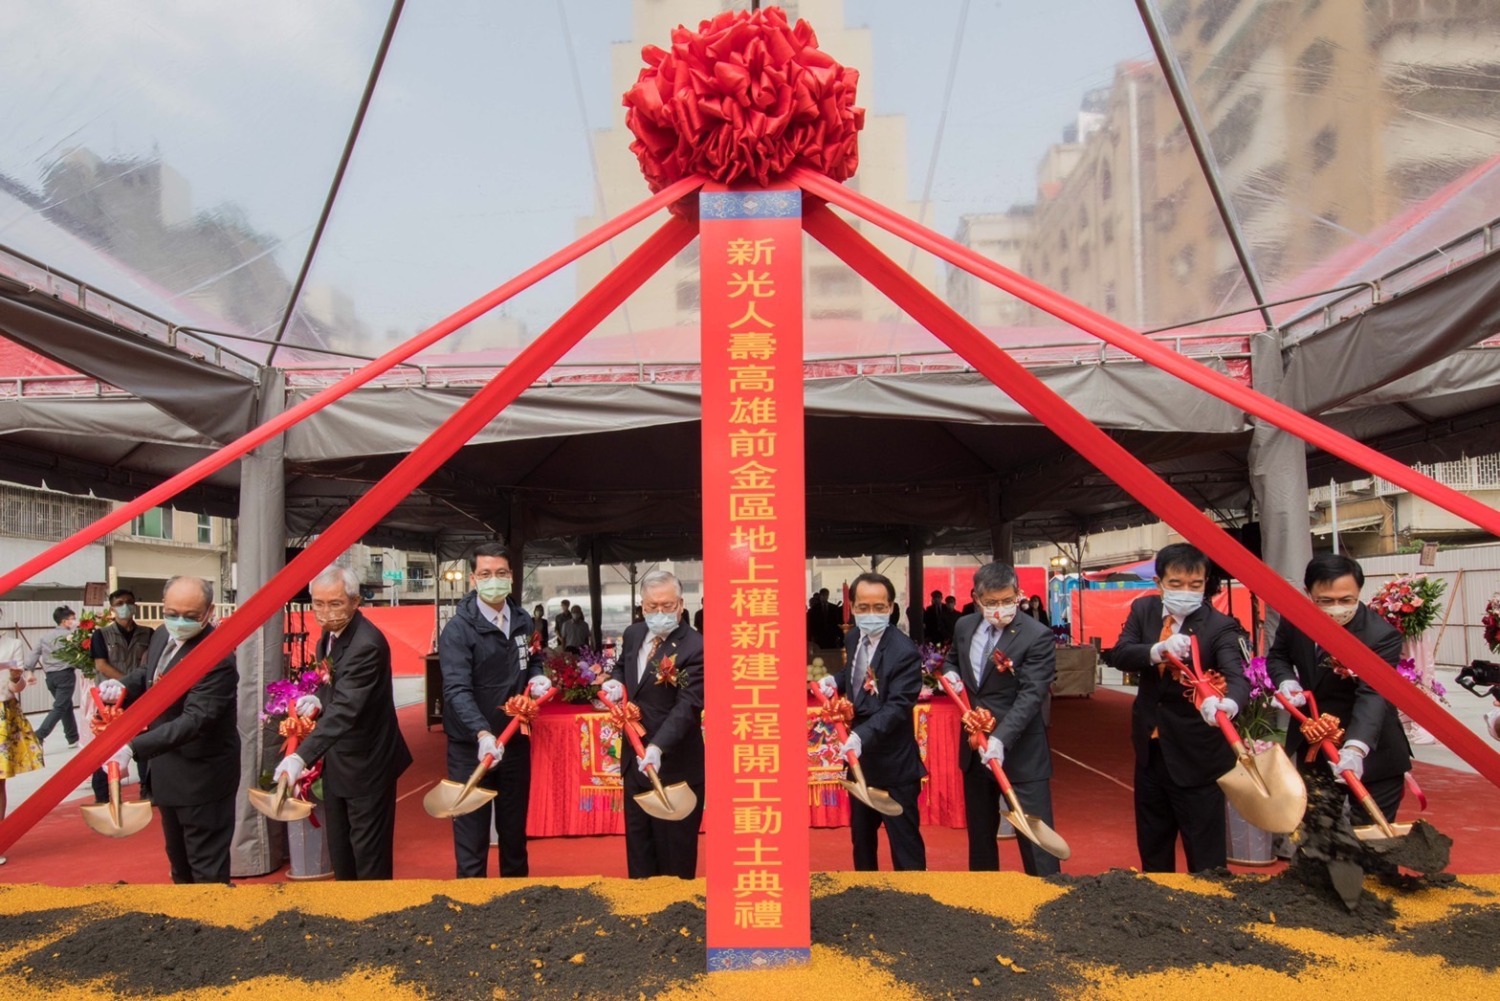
474, 160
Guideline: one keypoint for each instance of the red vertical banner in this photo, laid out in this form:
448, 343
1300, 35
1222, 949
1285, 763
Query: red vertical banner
755, 720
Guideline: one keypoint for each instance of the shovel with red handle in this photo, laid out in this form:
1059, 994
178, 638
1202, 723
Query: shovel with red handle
673, 802
115, 819
1382, 829
1264, 786
876, 799
280, 804
1029, 826
454, 799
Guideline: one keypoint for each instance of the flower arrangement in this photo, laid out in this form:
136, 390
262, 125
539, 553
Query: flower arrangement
76, 648
1410, 602
281, 696
577, 675
1491, 622
1407, 668
279, 712
932, 656
1257, 720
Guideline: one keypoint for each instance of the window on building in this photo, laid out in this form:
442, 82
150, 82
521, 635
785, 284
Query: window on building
1106, 182
1107, 230
687, 294
205, 530
836, 280
153, 524
1110, 301
1325, 146
1315, 66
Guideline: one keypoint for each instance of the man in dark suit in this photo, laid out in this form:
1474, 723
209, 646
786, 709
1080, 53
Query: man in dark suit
882, 680
660, 669
1375, 747
485, 660
357, 736
1179, 751
1007, 662
192, 750
932, 621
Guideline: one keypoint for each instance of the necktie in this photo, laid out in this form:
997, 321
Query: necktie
1166, 634
989, 651
166, 659
861, 663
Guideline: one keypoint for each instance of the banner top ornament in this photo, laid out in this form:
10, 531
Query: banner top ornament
746, 97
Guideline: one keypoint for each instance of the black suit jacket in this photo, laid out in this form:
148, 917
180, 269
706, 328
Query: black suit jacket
482, 669
193, 748
671, 714
1015, 697
1194, 752
883, 720
1364, 712
357, 735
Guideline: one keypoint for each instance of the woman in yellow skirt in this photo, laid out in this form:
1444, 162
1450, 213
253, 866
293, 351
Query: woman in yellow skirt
20, 751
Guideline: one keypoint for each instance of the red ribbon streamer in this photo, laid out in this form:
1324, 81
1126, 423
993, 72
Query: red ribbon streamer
529, 366
1079, 433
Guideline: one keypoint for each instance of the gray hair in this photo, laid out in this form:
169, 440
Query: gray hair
656, 578
205, 587
995, 577
338, 575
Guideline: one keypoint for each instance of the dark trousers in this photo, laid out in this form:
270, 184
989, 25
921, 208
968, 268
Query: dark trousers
908, 852
1164, 810
198, 840
362, 834
983, 803
505, 814
659, 847
62, 685
1387, 794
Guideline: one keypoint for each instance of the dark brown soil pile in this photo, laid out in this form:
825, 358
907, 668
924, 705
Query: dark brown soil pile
1468, 937
541, 942
1331, 859
943, 951
1125, 920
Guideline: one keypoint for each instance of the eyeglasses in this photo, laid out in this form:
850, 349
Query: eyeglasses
497, 575
1344, 602
872, 609
671, 606
996, 606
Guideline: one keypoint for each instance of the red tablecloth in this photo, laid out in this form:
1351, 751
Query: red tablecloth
575, 780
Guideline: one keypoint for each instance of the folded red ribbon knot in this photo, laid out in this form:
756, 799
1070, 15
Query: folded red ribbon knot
626, 717
525, 709
666, 671
837, 710
978, 723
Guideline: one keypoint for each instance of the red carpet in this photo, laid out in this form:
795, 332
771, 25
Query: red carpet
1090, 739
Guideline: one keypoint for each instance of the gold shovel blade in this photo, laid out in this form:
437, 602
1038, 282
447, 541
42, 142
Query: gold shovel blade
876, 799
1274, 797
279, 805
1034, 829
116, 819
1372, 833
673, 802
454, 799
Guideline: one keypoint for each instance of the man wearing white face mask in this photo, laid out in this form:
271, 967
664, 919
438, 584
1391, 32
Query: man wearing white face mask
1179, 751
486, 661
882, 680
1007, 661
192, 750
1375, 746
357, 736
660, 669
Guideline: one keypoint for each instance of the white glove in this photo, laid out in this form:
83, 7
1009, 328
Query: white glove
1179, 645
111, 691
993, 751
309, 704
651, 759
1351, 759
1213, 705
1492, 723
539, 686
7, 694
954, 680
828, 686
853, 745
1291, 689
613, 690
489, 746
122, 757
291, 768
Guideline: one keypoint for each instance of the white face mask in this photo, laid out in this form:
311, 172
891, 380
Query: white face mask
1342, 614
1000, 615
1181, 604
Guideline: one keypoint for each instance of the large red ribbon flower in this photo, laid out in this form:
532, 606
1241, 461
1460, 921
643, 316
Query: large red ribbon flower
745, 97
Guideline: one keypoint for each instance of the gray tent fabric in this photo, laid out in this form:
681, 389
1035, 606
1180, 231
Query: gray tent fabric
204, 397
1397, 339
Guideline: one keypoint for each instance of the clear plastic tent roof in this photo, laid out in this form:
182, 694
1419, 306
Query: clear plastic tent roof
180, 156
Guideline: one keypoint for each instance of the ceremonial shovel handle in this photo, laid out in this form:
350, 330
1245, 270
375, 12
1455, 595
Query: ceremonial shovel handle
961, 699
1331, 751
838, 728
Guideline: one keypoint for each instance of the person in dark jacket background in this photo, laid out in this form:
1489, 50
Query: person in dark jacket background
485, 656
